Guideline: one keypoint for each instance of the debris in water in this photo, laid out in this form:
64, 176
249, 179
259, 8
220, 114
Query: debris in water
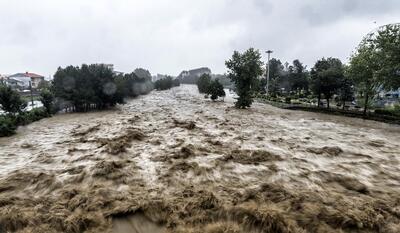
119, 144
332, 151
185, 124
250, 157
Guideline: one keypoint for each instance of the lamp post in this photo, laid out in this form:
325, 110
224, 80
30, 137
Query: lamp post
30, 87
269, 54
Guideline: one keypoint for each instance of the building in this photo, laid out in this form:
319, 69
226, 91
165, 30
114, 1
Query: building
387, 98
191, 76
23, 79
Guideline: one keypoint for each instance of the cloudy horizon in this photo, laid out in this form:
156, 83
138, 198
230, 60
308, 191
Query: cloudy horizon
169, 36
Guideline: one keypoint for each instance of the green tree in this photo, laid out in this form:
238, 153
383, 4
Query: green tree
363, 71
326, 77
164, 83
86, 87
346, 91
216, 90
130, 85
275, 72
387, 49
376, 63
298, 77
44, 85
203, 83
244, 69
10, 101
47, 99
142, 73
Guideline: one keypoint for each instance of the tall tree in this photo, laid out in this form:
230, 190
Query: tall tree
376, 63
275, 72
326, 78
244, 69
363, 71
47, 99
87, 86
298, 77
346, 91
387, 43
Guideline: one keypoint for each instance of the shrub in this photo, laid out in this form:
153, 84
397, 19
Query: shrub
47, 99
216, 90
396, 109
35, 114
9, 123
7, 126
176, 82
388, 112
166, 83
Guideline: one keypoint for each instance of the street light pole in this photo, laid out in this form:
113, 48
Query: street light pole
267, 87
30, 87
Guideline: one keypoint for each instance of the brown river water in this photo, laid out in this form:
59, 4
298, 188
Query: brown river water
173, 161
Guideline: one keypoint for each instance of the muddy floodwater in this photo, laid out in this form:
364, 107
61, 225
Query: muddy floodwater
173, 161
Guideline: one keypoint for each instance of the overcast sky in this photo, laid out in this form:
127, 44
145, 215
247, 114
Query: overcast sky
168, 36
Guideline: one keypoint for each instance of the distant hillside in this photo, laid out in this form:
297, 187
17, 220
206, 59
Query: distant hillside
192, 76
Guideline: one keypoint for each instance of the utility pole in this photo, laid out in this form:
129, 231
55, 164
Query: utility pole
267, 87
30, 87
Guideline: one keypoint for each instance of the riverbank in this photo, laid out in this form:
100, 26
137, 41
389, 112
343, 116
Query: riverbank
335, 111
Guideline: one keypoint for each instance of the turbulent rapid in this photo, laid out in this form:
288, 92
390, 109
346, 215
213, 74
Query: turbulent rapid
173, 161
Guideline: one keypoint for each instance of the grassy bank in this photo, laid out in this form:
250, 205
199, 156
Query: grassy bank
9, 123
381, 116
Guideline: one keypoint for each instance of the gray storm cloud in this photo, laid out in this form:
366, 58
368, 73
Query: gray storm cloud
167, 36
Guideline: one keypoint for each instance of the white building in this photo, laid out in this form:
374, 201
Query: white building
23, 79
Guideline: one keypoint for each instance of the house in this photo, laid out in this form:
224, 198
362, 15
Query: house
25, 78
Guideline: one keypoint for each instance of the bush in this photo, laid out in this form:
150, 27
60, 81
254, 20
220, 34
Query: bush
396, 109
176, 82
389, 112
215, 90
166, 83
7, 126
47, 99
9, 123
35, 114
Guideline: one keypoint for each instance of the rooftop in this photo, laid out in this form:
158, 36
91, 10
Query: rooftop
26, 74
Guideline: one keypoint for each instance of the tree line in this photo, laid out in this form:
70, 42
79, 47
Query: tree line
166, 83
374, 66
96, 86
73, 88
